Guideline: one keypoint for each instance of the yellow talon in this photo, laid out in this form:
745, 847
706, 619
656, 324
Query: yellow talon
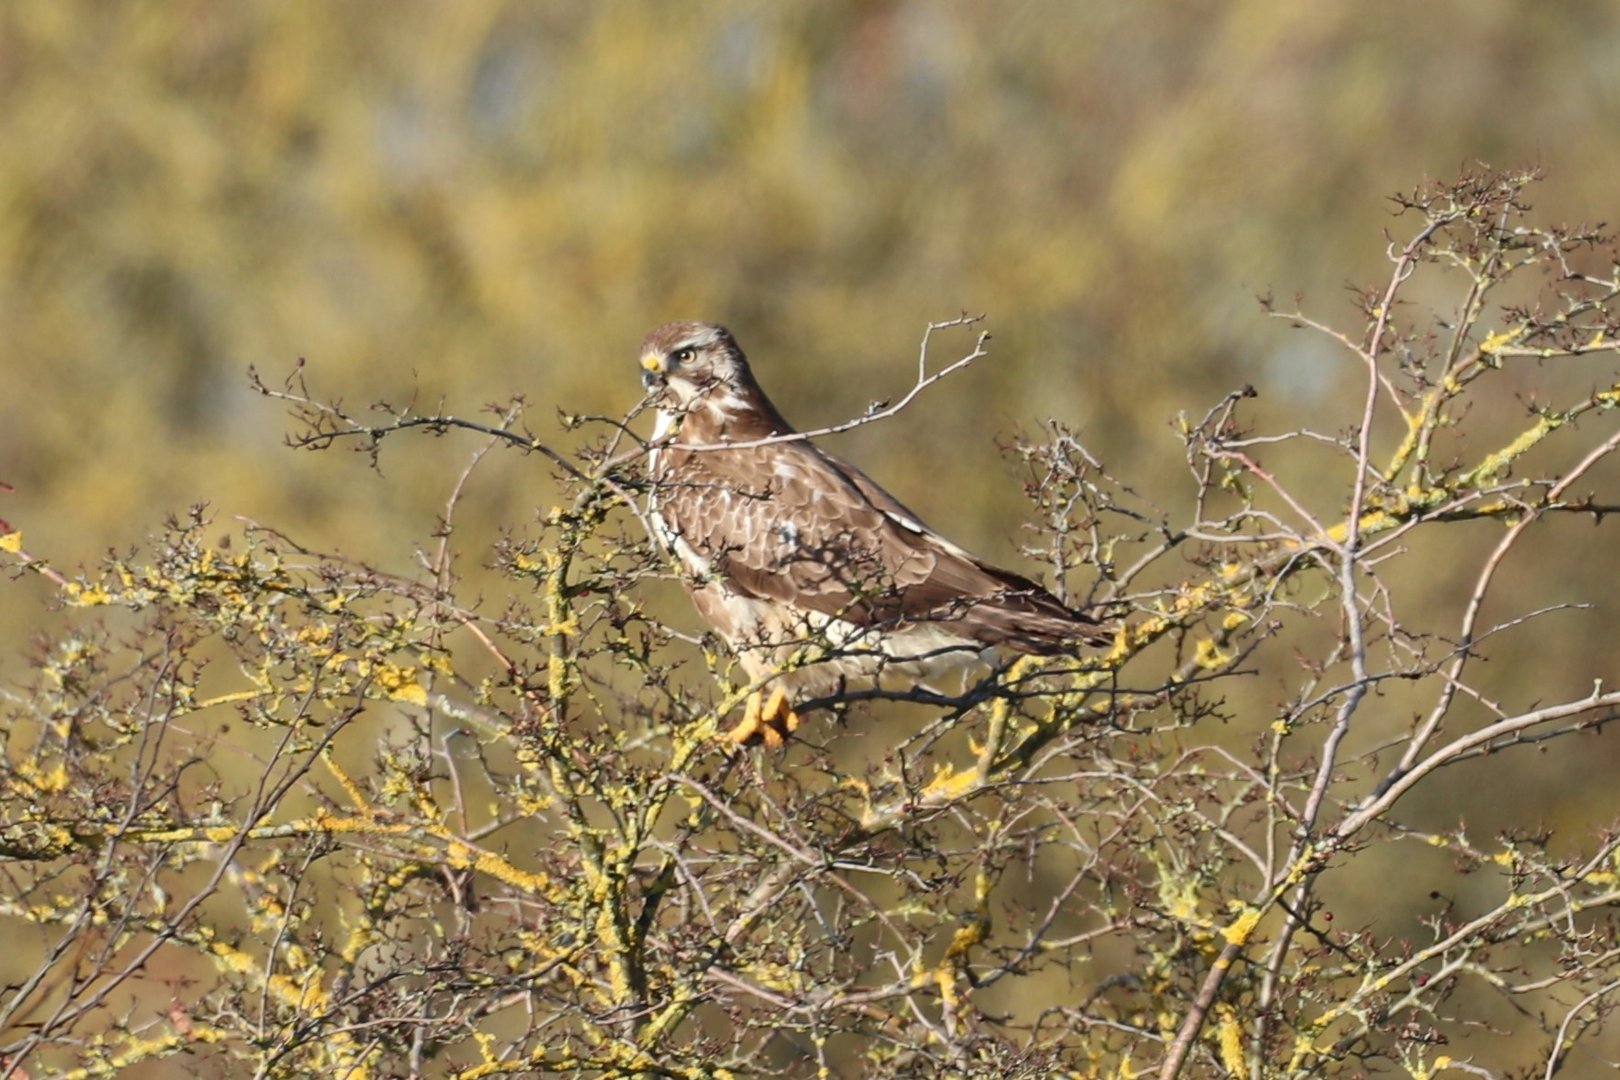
777, 710
770, 720
748, 726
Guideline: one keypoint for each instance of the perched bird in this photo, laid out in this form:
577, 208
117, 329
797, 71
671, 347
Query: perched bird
813, 575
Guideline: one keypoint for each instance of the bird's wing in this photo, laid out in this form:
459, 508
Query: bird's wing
789, 523
994, 605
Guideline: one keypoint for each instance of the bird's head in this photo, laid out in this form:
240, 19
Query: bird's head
687, 361
701, 381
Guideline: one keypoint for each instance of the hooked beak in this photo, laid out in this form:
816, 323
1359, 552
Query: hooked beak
653, 369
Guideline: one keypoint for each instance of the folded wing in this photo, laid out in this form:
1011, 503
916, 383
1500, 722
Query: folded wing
789, 523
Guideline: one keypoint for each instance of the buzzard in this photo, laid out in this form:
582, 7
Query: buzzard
813, 574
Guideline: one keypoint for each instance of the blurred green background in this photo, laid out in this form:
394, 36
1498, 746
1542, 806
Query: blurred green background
471, 199
460, 201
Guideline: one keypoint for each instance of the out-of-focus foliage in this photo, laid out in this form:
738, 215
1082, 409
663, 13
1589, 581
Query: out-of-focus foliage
473, 199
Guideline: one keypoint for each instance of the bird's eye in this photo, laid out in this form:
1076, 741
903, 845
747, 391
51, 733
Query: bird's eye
683, 354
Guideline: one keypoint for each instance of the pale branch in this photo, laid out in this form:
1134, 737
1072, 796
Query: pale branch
874, 413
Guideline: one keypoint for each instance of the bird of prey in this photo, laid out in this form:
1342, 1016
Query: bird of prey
813, 575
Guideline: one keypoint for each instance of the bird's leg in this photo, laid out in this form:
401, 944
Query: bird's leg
777, 719
748, 726
771, 719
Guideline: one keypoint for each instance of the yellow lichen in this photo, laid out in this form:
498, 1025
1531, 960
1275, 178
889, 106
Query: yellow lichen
1240, 929
1229, 1037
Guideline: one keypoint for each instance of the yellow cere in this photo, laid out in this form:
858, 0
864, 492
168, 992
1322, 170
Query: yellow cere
653, 362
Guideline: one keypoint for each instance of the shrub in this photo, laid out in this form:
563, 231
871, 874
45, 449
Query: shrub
277, 810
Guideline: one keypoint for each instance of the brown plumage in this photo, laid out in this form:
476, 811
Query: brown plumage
811, 572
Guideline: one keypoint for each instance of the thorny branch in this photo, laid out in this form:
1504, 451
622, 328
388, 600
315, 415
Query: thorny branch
389, 828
